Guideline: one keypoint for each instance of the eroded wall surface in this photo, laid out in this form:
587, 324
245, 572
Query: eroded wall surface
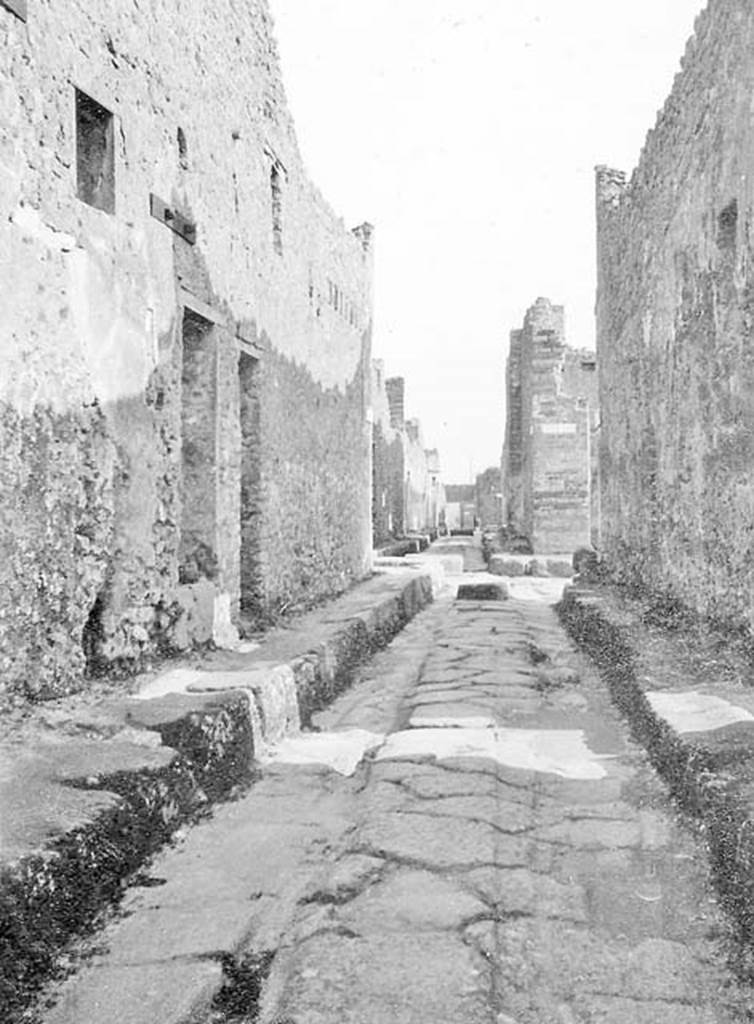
407, 491
159, 475
388, 463
675, 316
551, 415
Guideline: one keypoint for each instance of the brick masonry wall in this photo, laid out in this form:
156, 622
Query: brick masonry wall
675, 317
92, 338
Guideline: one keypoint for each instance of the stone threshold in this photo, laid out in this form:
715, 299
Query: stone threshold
85, 802
682, 692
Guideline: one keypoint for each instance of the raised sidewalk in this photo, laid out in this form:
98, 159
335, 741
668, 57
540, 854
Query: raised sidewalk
686, 690
90, 787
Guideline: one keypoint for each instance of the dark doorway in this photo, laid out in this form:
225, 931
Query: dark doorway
197, 557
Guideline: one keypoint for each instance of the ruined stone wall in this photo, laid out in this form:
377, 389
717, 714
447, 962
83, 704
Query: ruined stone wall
675, 316
417, 478
388, 463
122, 505
407, 493
513, 446
547, 456
488, 497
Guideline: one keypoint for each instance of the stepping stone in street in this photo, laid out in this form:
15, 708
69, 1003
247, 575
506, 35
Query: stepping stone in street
482, 592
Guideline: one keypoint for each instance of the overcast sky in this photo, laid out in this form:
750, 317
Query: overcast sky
467, 132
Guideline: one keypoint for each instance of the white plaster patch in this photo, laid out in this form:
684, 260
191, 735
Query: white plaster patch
341, 751
542, 589
696, 712
553, 751
178, 680
247, 646
30, 222
558, 428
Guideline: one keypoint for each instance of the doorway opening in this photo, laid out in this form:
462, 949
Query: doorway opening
197, 558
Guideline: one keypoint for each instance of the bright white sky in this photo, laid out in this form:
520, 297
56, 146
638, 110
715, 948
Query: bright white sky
467, 132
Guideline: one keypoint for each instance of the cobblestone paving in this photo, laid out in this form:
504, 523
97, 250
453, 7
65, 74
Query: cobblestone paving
470, 891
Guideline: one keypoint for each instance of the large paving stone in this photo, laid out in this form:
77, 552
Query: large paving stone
435, 842
169, 990
411, 901
396, 978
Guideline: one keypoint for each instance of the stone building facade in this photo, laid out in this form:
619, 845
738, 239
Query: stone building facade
675, 317
388, 462
407, 491
185, 341
551, 417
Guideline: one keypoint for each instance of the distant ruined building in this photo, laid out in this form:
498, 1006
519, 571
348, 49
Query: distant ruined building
185, 354
461, 507
549, 468
407, 489
675, 321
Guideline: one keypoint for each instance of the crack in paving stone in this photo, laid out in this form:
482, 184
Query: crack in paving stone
416, 863
522, 831
347, 881
433, 767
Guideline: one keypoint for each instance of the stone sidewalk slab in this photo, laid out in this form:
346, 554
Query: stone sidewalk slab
228, 883
683, 693
90, 789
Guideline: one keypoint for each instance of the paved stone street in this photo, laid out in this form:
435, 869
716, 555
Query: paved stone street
546, 883
469, 836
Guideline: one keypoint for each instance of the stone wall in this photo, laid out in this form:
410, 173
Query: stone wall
388, 462
488, 497
185, 341
550, 420
675, 314
407, 493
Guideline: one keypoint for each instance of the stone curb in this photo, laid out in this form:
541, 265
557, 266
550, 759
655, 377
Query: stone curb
58, 892
710, 781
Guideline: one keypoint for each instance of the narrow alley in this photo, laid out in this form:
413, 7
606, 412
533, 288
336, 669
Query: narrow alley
376, 512
466, 835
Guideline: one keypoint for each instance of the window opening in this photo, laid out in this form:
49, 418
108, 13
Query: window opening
182, 149
95, 157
